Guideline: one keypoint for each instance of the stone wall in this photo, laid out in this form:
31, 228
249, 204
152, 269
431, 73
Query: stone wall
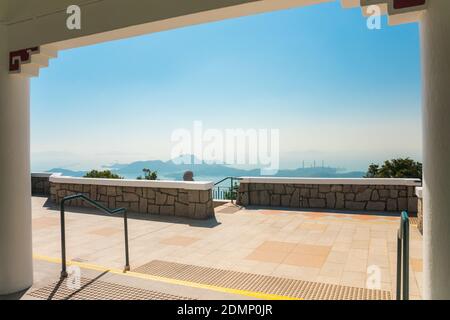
419, 210
329, 196
196, 204
420, 215
40, 185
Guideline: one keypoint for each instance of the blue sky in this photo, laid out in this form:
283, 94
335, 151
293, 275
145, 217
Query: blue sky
337, 91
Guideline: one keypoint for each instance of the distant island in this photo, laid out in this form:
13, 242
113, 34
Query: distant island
174, 170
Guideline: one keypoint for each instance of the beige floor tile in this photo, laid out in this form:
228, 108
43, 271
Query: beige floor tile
345, 239
277, 246
330, 269
354, 279
415, 252
264, 268
378, 236
312, 249
106, 232
327, 279
419, 279
296, 272
312, 226
305, 260
385, 274
378, 260
316, 214
378, 242
416, 264
342, 246
337, 256
45, 222
386, 286
267, 256
312, 238
358, 254
360, 244
179, 241
356, 265
361, 236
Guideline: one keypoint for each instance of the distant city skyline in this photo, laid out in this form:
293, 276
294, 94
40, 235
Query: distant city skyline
337, 91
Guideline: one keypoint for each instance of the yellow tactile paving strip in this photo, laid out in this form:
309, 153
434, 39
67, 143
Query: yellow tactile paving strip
143, 276
91, 289
259, 283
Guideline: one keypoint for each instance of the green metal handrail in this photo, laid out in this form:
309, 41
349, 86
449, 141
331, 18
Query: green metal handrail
403, 258
98, 206
224, 179
232, 179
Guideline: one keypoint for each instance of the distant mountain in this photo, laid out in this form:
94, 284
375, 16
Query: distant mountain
67, 172
174, 169
320, 172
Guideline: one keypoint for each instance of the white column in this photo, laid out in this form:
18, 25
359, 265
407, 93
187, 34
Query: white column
16, 263
435, 41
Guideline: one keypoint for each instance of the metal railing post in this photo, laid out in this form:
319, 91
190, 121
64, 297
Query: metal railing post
399, 266
231, 190
63, 242
125, 227
98, 206
403, 258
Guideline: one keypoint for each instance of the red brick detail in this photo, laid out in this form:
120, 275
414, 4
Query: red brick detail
402, 4
16, 58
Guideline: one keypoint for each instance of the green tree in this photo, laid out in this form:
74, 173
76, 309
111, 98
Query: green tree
396, 168
148, 175
372, 172
102, 174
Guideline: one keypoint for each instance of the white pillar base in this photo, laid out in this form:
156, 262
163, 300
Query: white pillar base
16, 262
435, 34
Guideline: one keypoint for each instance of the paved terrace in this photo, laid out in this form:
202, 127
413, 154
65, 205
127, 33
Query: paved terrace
320, 247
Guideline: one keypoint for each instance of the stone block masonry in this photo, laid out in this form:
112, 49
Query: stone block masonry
181, 199
391, 195
40, 184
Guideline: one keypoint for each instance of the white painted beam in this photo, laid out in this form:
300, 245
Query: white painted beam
107, 20
29, 70
395, 15
49, 51
39, 60
350, 3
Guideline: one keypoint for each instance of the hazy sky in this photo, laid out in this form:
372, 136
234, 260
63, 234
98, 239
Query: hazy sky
337, 91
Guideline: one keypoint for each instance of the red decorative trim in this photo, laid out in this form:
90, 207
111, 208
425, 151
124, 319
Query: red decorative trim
16, 58
402, 4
